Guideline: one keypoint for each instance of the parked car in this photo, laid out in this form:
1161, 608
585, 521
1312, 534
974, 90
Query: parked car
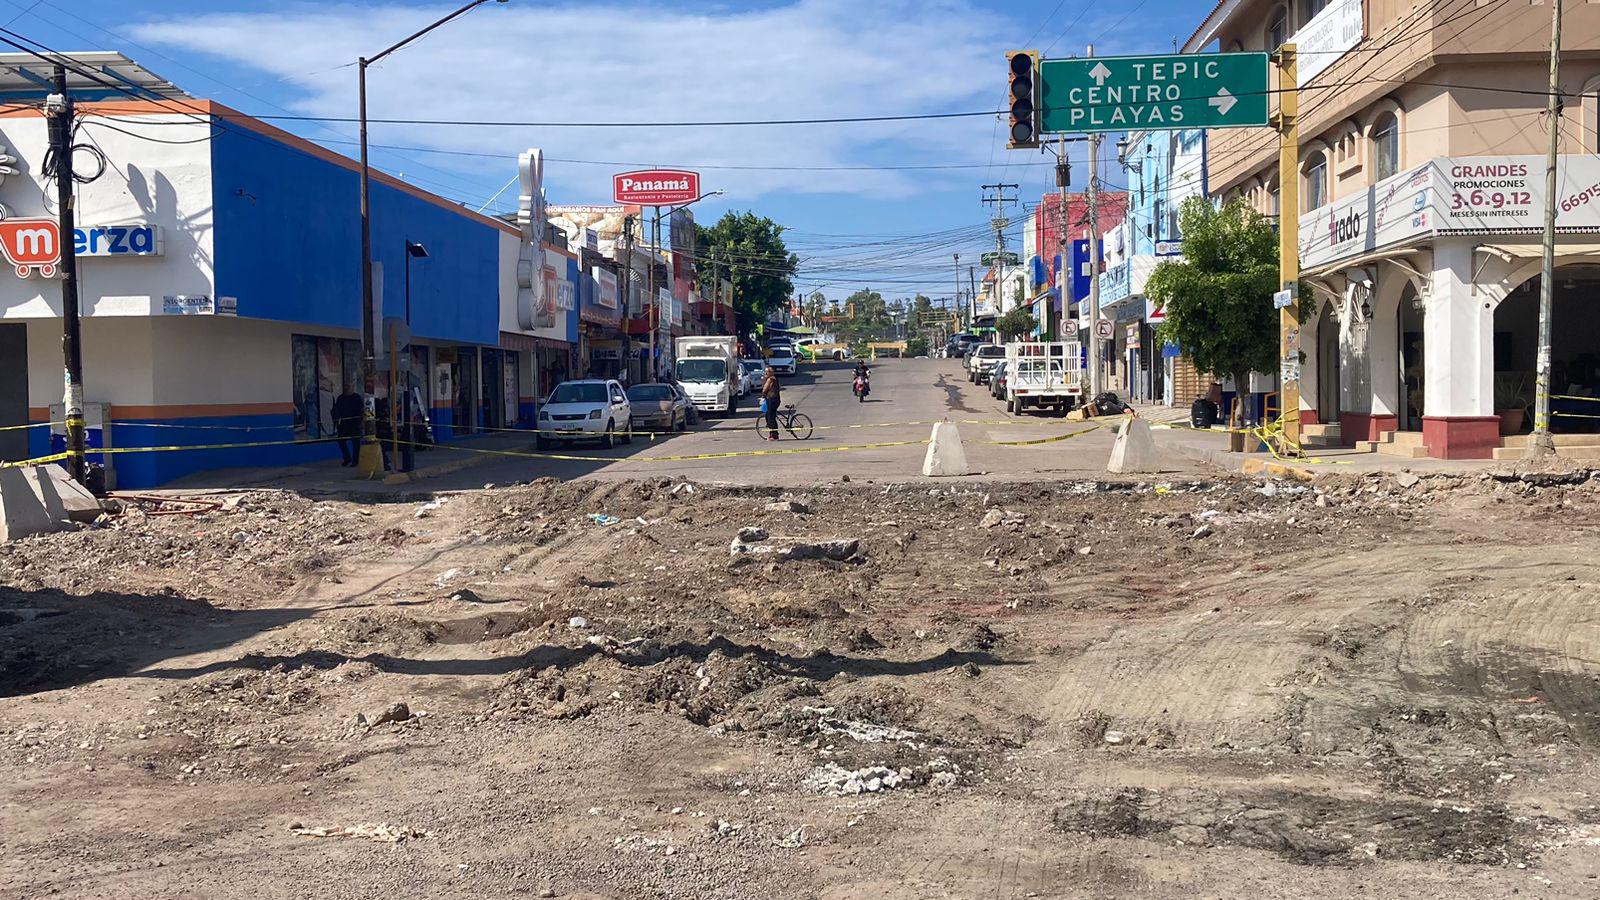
983, 359
997, 381
658, 407
589, 409
693, 411
780, 358
754, 371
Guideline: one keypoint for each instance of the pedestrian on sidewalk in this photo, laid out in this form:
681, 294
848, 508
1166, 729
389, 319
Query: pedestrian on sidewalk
771, 396
348, 412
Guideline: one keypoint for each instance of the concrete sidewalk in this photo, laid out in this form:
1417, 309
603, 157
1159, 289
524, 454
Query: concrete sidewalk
1173, 435
328, 475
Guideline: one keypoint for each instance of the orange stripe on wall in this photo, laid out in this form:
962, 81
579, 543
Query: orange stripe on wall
38, 414
199, 410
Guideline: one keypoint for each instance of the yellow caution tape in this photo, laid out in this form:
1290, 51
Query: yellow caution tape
528, 454
36, 461
1048, 440
29, 425
104, 450
1574, 397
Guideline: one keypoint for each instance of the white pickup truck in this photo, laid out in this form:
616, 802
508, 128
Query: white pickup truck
708, 368
1045, 375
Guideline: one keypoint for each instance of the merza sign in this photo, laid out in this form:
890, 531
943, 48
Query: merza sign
34, 244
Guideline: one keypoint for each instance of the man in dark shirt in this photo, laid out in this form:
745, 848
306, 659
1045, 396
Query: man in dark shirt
349, 410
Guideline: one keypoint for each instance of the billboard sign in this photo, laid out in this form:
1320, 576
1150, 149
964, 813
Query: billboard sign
1328, 36
535, 309
656, 187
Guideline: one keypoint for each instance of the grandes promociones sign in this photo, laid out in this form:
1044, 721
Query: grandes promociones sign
656, 187
1131, 93
1459, 194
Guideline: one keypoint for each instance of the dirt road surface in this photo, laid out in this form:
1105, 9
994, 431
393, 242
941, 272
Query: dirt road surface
640, 688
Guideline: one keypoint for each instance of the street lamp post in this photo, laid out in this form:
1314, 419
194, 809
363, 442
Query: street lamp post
369, 359
402, 413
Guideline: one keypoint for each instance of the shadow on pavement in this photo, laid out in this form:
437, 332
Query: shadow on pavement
821, 666
51, 640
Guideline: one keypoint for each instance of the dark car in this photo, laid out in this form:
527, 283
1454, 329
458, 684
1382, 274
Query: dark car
997, 381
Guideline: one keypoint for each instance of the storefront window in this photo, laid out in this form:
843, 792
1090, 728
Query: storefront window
321, 368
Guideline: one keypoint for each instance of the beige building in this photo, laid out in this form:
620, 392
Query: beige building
1421, 179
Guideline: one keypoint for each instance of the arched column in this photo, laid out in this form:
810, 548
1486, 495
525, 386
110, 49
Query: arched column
1370, 394
1459, 421
1310, 414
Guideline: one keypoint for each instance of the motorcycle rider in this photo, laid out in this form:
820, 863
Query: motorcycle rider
862, 374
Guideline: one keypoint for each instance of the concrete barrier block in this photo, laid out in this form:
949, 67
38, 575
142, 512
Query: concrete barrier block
21, 511
62, 497
1135, 449
945, 454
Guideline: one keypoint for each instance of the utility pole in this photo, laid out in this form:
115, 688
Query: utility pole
1288, 249
59, 105
999, 201
626, 294
958, 281
1063, 178
1540, 443
972, 294
650, 293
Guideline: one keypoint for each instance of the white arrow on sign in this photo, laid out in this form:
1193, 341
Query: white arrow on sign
1223, 101
1100, 73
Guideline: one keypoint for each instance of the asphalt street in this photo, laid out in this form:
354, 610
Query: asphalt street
908, 397
881, 439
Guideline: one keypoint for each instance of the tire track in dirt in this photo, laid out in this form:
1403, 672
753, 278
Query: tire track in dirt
1196, 681
1513, 641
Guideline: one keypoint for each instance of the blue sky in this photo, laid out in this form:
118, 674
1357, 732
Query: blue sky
854, 224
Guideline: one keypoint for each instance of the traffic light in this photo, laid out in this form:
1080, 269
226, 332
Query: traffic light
1023, 99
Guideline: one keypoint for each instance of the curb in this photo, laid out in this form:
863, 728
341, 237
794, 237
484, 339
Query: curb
434, 471
1244, 465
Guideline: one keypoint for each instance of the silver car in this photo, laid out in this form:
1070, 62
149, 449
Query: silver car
658, 407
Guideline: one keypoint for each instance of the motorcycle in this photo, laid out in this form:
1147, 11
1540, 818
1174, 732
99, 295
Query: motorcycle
861, 388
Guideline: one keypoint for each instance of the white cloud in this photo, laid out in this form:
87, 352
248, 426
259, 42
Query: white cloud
617, 62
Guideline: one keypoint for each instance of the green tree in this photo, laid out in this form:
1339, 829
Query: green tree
761, 266
869, 315
923, 314
1019, 322
1218, 298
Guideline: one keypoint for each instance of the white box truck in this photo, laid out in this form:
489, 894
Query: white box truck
1043, 375
708, 369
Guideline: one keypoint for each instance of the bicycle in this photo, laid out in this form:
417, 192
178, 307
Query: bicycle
797, 423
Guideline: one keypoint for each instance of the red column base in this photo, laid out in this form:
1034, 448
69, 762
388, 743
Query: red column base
1461, 437
1309, 417
1354, 426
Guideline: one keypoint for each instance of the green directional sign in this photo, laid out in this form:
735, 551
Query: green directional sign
1161, 93
994, 256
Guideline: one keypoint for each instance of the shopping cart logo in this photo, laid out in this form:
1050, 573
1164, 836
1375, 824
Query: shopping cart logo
31, 244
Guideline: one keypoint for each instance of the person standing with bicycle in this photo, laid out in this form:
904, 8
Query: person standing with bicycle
771, 396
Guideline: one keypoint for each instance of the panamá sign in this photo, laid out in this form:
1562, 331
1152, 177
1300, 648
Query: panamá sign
1159, 93
655, 187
